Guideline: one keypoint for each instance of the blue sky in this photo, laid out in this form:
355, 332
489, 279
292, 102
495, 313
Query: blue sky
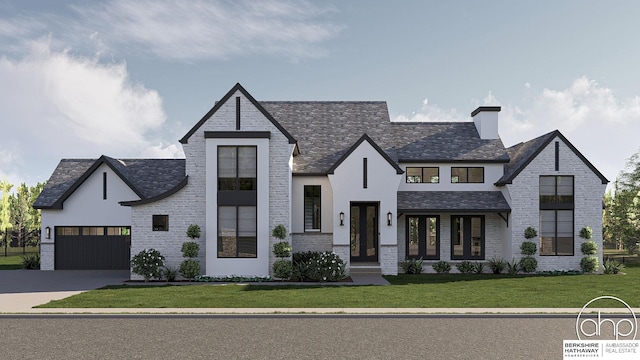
79, 79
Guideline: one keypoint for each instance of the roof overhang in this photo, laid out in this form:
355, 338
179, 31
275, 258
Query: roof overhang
462, 202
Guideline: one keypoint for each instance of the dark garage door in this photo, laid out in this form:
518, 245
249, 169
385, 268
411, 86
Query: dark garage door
92, 247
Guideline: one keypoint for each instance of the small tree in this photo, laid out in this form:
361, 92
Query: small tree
529, 263
190, 267
281, 268
589, 262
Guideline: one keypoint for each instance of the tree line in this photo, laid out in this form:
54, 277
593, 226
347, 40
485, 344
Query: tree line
19, 222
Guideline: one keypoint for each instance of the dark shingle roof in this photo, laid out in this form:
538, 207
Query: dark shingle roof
326, 130
452, 201
445, 142
148, 178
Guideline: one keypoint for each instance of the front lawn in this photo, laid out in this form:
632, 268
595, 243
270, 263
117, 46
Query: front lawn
11, 262
406, 291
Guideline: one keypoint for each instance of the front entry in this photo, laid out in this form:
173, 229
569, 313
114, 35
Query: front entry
364, 232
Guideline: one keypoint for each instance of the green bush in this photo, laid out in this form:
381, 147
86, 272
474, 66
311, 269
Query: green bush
497, 265
612, 267
442, 267
589, 264
282, 269
586, 232
412, 266
530, 233
465, 267
31, 261
513, 267
589, 248
148, 264
282, 249
190, 268
318, 266
193, 231
279, 232
528, 264
169, 273
528, 248
478, 267
190, 249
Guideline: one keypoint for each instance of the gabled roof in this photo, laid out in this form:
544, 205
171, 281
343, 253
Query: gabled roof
236, 88
147, 178
362, 139
445, 142
452, 201
523, 153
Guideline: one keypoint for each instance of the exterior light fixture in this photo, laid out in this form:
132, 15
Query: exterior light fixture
389, 218
341, 218
47, 233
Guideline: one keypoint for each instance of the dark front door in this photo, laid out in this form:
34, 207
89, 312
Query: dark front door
364, 232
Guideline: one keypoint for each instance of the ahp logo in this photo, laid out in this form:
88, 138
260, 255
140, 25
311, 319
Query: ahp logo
606, 327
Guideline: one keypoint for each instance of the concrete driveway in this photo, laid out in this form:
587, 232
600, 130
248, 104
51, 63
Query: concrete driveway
20, 290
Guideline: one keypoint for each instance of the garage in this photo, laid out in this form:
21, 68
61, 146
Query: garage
92, 247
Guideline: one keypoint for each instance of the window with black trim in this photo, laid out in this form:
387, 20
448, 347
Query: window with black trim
467, 238
312, 206
237, 168
460, 175
237, 232
160, 222
429, 175
423, 237
556, 215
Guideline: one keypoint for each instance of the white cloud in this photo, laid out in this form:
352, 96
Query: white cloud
185, 30
55, 105
602, 126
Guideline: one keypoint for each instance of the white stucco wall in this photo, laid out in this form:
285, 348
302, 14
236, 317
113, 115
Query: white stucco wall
86, 207
382, 187
326, 203
492, 172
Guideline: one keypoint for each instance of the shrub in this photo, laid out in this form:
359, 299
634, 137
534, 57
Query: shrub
586, 232
589, 264
530, 233
318, 266
282, 249
31, 262
497, 265
528, 264
190, 249
478, 267
147, 263
528, 248
193, 231
412, 266
589, 248
441, 267
612, 267
465, 267
190, 268
282, 269
279, 232
169, 273
513, 267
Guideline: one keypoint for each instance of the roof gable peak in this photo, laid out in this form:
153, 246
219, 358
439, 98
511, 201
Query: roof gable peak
362, 139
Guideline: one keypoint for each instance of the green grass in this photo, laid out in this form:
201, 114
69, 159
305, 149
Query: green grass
406, 291
11, 262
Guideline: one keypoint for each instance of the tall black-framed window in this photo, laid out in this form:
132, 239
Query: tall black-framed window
556, 215
460, 175
467, 237
429, 175
237, 232
423, 237
312, 207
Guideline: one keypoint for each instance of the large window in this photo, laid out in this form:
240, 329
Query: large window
237, 168
423, 175
556, 215
467, 237
312, 208
423, 237
237, 232
467, 175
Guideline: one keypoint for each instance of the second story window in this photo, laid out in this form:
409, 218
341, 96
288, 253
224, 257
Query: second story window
423, 175
237, 168
460, 175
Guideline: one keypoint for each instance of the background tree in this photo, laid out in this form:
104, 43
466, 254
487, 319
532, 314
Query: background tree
5, 209
24, 218
621, 218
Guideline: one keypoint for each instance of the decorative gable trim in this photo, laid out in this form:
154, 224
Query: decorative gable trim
102, 160
224, 99
555, 134
366, 138
237, 134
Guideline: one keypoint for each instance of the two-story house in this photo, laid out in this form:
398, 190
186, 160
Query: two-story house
341, 177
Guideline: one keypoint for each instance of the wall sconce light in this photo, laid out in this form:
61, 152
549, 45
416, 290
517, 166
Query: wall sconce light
47, 233
389, 218
341, 218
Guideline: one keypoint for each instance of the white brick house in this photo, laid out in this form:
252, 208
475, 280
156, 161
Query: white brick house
341, 177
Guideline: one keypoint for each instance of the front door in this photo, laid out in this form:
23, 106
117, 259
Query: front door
364, 232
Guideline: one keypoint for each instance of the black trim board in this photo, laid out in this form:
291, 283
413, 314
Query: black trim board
165, 194
363, 138
447, 161
214, 109
237, 135
485, 108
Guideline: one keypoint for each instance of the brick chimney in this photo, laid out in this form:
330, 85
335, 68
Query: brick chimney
486, 120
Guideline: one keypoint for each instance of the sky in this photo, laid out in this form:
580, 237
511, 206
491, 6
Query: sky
127, 79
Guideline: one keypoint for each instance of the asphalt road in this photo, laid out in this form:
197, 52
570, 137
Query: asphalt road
284, 337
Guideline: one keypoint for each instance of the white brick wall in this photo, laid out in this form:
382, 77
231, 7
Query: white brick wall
47, 256
312, 241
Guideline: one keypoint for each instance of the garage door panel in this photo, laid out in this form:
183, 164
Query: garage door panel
91, 252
